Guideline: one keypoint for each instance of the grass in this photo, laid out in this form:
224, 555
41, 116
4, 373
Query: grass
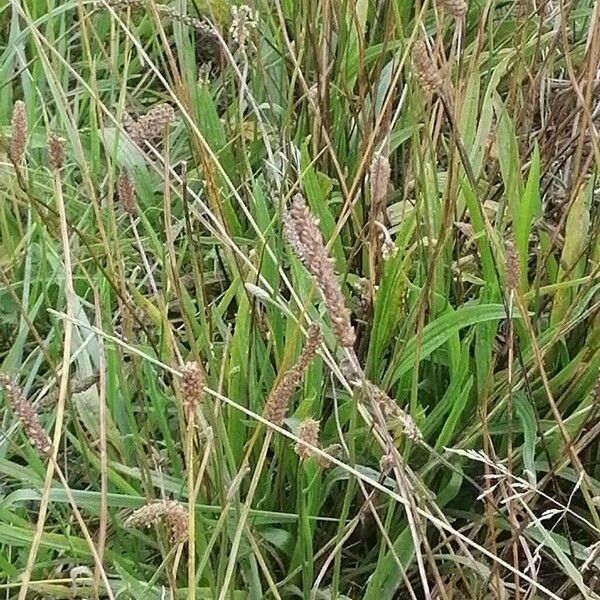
456, 188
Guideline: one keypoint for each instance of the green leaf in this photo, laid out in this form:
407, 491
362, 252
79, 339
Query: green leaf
525, 210
439, 331
572, 259
528, 422
459, 401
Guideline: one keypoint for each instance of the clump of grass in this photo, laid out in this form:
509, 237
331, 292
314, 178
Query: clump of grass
468, 415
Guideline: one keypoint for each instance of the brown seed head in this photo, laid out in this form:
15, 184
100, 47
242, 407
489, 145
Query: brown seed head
151, 126
308, 431
147, 515
177, 521
133, 128
277, 403
85, 383
425, 68
192, 386
338, 312
313, 341
457, 8
304, 237
511, 258
126, 192
56, 152
154, 123
77, 386
379, 178
173, 513
25, 412
18, 137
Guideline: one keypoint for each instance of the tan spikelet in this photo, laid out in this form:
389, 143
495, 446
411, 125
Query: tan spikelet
147, 515
379, 178
25, 412
56, 152
18, 137
304, 237
425, 69
308, 431
192, 386
177, 521
243, 19
133, 128
172, 513
154, 123
126, 192
85, 383
150, 126
511, 258
457, 8
277, 404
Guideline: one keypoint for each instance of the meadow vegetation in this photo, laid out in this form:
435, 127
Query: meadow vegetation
299, 299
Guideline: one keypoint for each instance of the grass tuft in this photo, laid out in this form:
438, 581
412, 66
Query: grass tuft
311, 288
